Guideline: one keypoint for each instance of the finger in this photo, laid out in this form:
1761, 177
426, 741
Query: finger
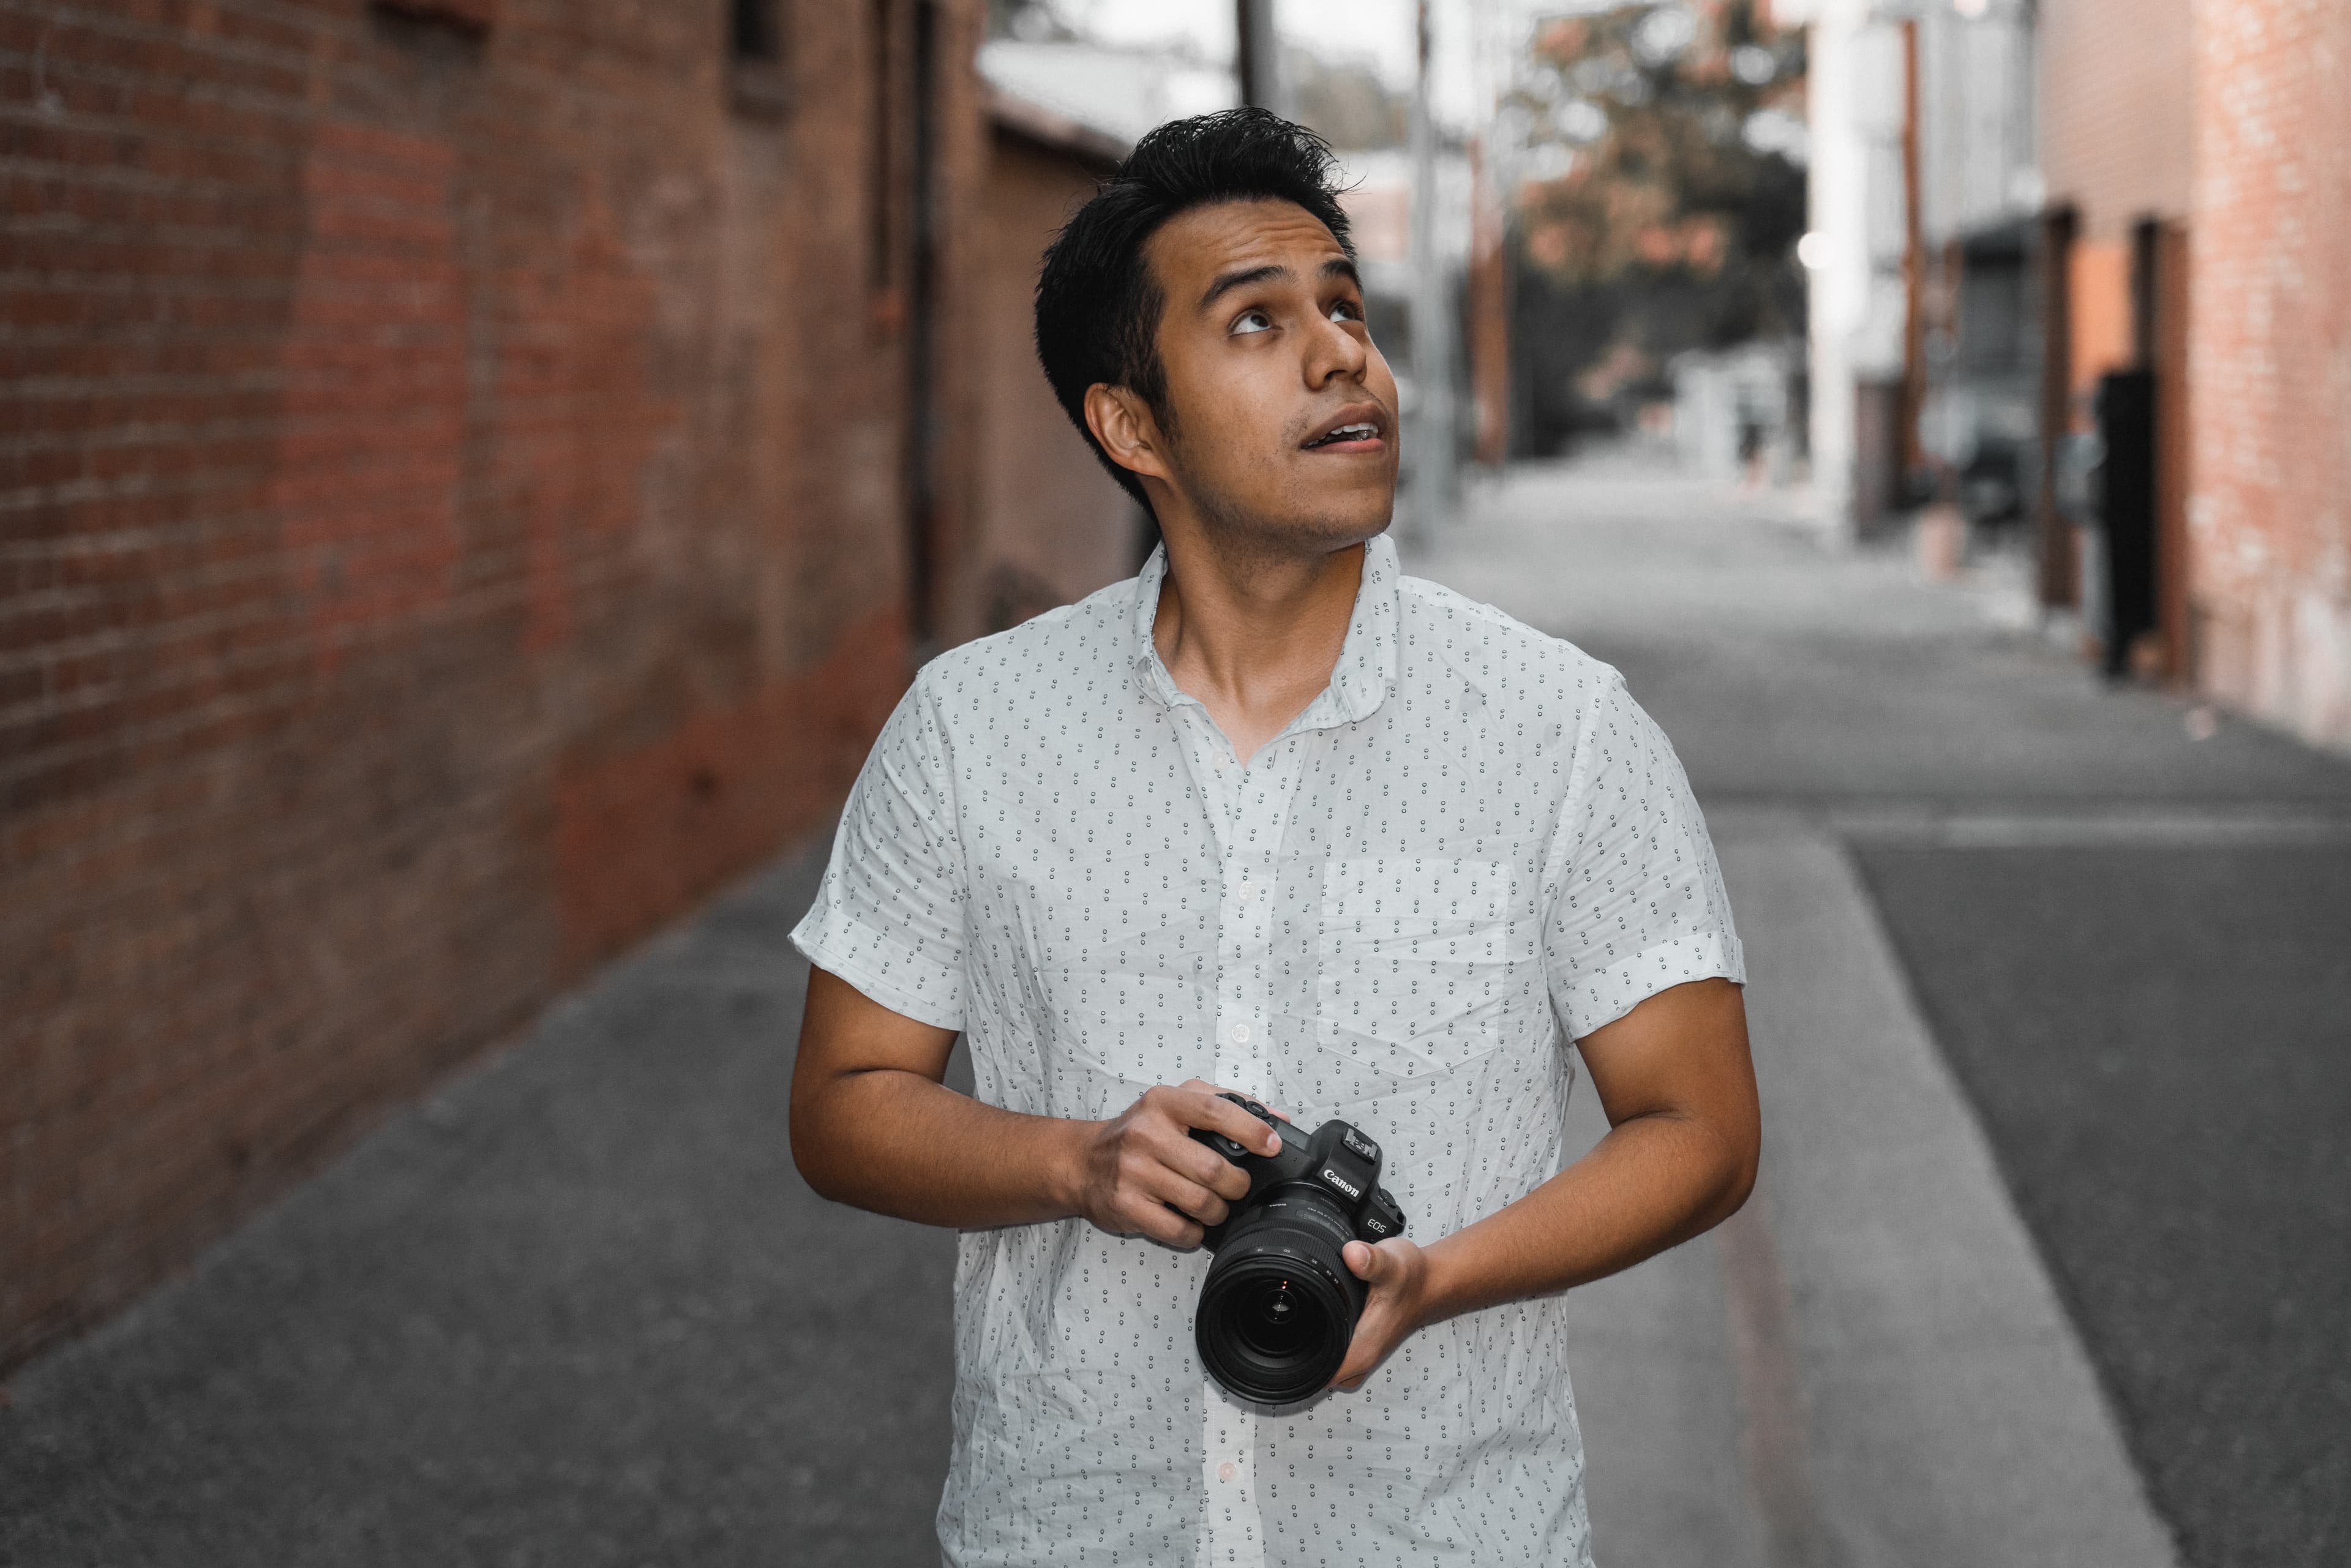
1365, 1261
1152, 1219
1218, 1114
1189, 1197
1153, 1177
1240, 1126
1221, 1089
1363, 1358
1200, 1164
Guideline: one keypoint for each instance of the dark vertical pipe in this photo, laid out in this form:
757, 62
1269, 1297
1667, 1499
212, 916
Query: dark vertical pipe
2056, 574
921, 412
1256, 57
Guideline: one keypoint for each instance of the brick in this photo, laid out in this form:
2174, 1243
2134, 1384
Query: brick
448, 525
2270, 361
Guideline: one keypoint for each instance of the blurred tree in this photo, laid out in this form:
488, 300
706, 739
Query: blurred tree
1343, 100
1030, 21
1663, 146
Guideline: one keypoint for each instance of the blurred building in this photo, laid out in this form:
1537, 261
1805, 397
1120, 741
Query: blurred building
1119, 91
2093, 258
1379, 200
1731, 411
2268, 338
1048, 524
479, 472
2117, 145
1971, 358
1857, 255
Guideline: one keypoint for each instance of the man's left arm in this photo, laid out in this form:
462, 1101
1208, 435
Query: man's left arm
1676, 1080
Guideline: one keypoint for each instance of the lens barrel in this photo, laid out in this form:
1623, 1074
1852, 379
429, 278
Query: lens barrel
1278, 1307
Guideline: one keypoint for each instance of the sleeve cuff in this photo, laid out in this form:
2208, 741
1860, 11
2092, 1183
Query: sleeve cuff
883, 972
1595, 1000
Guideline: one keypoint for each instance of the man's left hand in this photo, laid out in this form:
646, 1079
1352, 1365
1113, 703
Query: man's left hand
1397, 1271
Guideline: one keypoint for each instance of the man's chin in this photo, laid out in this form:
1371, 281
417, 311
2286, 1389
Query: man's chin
1322, 535
1335, 521
1309, 523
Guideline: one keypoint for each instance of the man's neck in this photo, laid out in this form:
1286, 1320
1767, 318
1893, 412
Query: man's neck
1254, 638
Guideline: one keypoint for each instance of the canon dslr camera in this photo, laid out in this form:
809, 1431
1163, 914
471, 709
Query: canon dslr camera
1278, 1308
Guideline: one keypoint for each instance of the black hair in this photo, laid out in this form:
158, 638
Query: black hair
1097, 306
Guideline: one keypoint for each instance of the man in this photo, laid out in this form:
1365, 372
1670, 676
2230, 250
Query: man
1276, 818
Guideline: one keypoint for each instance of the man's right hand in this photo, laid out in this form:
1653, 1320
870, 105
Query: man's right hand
1142, 1173
874, 1124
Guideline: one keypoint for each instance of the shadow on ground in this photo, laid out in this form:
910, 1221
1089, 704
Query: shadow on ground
577, 1309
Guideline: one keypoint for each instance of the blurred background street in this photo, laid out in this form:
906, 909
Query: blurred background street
476, 474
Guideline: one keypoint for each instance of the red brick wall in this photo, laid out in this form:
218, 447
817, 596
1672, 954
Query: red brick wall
1049, 525
2115, 131
450, 520
2270, 357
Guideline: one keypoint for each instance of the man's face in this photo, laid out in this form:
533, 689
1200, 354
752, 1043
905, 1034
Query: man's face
1283, 412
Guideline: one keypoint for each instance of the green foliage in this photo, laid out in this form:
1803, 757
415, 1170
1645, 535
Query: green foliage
1666, 142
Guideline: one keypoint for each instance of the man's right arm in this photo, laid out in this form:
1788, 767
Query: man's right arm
873, 1124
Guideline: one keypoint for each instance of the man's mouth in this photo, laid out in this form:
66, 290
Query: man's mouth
1362, 430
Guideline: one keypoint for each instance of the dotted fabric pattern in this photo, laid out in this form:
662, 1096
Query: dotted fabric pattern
1472, 848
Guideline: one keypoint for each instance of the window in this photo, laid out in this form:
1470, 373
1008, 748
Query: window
475, 16
752, 30
758, 80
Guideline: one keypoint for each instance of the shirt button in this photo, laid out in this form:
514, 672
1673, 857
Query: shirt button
1228, 1471
1240, 1034
1247, 891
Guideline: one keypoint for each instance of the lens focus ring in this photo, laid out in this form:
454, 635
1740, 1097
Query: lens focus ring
1277, 1309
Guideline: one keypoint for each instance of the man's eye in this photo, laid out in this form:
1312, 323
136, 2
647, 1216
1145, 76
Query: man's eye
1251, 321
1346, 311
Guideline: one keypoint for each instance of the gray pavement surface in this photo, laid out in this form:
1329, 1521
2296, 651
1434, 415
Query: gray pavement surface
2134, 948
1882, 1359
576, 1309
2177, 1117
2002, 1298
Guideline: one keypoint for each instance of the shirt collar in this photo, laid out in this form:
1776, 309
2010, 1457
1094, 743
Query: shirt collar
1367, 660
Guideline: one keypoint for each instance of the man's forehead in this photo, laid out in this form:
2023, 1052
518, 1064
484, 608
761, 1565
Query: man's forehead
1221, 236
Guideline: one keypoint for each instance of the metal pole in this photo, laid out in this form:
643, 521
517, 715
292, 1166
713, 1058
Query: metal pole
1431, 436
1258, 59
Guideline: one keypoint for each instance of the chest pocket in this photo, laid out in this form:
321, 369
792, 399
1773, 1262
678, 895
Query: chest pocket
1422, 964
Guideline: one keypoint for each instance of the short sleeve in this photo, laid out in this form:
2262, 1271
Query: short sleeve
1633, 898
889, 916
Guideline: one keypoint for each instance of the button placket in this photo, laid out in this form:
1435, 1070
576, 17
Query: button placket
1236, 1531
1259, 817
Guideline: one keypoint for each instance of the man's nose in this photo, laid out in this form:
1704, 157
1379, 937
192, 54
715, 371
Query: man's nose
1334, 353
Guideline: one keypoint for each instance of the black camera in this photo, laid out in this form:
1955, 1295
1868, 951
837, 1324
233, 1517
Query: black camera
1278, 1308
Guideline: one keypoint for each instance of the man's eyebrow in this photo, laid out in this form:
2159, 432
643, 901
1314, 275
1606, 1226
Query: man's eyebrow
1337, 266
1226, 282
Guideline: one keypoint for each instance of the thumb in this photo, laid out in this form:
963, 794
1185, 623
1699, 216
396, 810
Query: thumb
1368, 1262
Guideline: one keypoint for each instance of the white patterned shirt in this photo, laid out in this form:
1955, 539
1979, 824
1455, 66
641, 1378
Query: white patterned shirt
1470, 848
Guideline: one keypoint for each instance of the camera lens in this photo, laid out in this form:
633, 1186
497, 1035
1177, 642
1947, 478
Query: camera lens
1278, 1307
1278, 1323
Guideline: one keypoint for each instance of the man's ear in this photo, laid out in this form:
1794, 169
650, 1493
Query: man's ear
1123, 423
